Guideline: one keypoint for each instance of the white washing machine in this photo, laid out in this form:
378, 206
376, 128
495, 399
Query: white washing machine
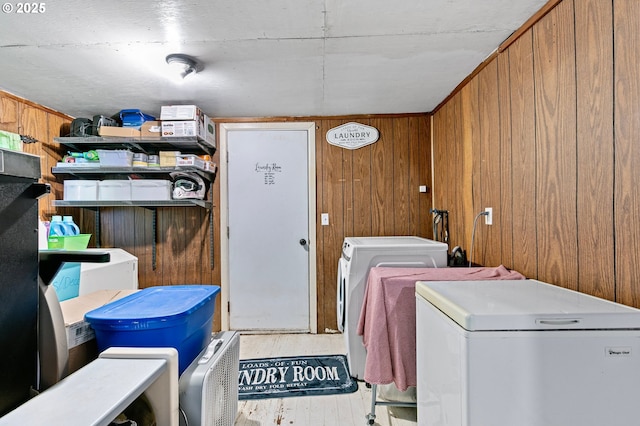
359, 254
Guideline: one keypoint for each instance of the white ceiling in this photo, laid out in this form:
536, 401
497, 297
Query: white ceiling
261, 58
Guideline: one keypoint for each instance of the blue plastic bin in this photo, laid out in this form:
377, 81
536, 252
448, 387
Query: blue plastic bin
134, 118
180, 317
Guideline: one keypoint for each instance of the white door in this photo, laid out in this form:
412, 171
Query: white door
270, 226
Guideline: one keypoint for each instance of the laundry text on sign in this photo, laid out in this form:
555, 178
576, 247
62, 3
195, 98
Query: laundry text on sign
269, 170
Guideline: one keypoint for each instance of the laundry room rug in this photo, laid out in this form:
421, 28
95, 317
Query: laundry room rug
295, 376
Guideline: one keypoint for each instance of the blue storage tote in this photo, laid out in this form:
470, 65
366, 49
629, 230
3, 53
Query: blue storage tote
168, 316
134, 118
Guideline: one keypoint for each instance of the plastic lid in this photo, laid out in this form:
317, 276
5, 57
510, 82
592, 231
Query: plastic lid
503, 305
152, 307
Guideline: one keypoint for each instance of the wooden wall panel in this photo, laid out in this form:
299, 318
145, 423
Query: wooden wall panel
382, 185
172, 241
457, 162
452, 157
421, 137
594, 101
331, 186
34, 122
400, 190
489, 245
419, 174
8, 114
439, 144
440, 166
25, 118
523, 155
467, 180
505, 224
554, 73
50, 152
568, 123
360, 164
626, 14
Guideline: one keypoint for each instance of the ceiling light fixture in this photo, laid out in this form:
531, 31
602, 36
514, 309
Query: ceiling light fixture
184, 65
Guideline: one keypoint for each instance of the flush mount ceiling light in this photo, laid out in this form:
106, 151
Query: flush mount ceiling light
184, 65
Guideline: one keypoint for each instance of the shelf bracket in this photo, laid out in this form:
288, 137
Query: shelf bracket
96, 225
211, 240
154, 242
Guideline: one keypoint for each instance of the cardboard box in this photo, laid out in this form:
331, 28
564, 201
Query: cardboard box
168, 158
204, 129
151, 130
123, 132
80, 336
190, 160
180, 112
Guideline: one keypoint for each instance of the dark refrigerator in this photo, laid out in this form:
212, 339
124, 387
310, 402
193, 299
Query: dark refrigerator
19, 192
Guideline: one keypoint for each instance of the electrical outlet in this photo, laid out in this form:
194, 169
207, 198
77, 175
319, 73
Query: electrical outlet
488, 217
324, 219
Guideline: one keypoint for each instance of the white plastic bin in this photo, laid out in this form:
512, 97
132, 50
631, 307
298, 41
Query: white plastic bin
150, 190
114, 190
115, 157
80, 190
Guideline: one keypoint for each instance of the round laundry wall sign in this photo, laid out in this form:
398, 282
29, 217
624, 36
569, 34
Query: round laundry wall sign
352, 135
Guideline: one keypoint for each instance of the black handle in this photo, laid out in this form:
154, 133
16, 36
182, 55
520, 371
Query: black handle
303, 242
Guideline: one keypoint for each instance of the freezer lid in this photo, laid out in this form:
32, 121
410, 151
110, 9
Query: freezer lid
524, 305
399, 241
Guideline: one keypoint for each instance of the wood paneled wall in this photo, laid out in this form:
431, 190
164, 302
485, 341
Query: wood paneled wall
369, 191
26, 118
372, 190
547, 134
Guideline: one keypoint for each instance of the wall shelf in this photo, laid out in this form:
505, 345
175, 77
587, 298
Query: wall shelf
182, 144
85, 171
186, 145
149, 204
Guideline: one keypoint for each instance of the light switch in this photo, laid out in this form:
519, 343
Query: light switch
324, 219
423, 188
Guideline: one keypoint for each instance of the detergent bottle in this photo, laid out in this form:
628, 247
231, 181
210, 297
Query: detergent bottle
70, 227
57, 227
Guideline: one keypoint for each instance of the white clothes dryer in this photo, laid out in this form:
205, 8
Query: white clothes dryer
359, 254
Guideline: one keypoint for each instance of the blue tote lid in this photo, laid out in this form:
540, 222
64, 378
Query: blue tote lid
153, 307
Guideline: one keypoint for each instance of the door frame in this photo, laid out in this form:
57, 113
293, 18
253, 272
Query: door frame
225, 128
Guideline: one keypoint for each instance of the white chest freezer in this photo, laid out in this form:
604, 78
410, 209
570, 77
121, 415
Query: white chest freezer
120, 273
526, 353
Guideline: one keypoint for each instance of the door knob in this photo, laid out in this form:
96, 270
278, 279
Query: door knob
303, 242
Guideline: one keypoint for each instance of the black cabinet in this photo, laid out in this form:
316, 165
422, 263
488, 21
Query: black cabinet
19, 191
